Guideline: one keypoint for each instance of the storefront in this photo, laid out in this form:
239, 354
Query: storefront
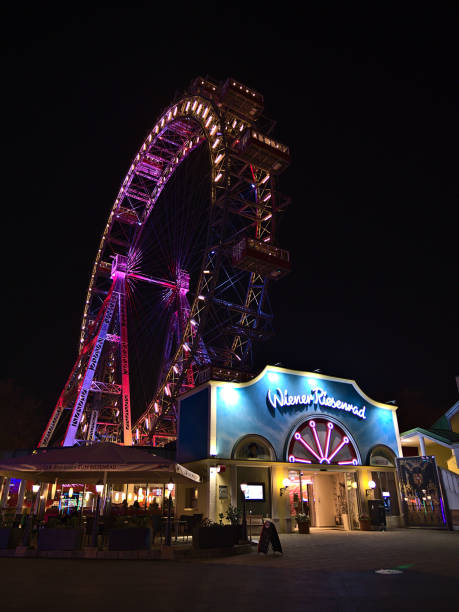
293, 437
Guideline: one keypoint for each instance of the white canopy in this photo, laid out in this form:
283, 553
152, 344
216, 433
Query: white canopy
88, 464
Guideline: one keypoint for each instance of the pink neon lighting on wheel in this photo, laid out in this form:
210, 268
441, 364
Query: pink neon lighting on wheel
327, 441
323, 452
312, 425
294, 459
344, 441
306, 445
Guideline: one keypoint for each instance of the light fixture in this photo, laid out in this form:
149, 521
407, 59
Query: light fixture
354, 485
99, 487
71, 492
285, 485
229, 395
170, 486
243, 487
371, 487
35, 488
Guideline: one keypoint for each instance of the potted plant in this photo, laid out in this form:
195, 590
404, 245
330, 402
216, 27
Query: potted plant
233, 514
364, 522
302, 520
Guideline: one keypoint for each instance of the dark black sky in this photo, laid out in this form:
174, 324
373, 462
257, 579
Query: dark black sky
367, 102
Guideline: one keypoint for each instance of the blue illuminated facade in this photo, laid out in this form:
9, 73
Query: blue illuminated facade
214, 418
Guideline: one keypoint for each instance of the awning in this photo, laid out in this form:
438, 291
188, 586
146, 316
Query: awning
89, 464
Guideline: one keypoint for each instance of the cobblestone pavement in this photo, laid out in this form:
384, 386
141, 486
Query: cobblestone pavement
327, 570
430, 551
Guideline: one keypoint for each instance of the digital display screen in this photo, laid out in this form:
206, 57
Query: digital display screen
255, 492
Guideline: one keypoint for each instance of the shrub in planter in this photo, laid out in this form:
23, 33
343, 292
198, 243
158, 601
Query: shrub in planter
302, 521
216, 536
59, 538
364, 522
233, 514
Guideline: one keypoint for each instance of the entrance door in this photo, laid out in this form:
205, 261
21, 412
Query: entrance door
324, 493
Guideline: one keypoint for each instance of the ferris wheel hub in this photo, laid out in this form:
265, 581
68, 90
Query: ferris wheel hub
183, 281
119, 266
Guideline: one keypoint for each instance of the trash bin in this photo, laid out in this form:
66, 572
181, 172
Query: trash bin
377, 513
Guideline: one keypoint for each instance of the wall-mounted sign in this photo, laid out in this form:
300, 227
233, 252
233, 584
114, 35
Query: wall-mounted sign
284, 402
222, 492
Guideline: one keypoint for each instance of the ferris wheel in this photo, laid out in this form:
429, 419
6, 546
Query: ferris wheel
178, 291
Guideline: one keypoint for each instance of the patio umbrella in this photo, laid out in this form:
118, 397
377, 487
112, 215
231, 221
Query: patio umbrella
89, 464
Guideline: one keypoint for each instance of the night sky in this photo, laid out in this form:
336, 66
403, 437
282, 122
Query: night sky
367, 103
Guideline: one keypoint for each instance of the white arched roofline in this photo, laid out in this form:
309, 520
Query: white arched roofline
270, 368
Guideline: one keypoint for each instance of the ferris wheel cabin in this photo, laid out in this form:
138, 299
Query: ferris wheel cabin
262, 258
234, 96
242, 100
262, 151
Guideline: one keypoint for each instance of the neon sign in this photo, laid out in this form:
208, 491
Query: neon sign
320, 441
317, 397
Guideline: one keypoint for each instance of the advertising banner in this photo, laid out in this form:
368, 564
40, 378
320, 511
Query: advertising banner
422, 500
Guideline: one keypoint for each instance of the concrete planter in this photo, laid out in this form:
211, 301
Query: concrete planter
59, 539
10, 537
131, 538
365, 524
216, 536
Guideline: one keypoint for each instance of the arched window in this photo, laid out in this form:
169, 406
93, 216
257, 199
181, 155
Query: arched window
382, 455
321, 440
254, 448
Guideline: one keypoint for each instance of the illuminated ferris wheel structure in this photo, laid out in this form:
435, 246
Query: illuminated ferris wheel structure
205, 254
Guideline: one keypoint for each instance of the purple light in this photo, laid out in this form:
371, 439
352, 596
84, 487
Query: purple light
306, 445
442, 510
294, 459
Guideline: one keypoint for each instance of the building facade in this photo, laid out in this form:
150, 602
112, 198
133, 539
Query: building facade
293, 437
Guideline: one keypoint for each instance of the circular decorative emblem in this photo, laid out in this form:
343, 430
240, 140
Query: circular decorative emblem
321, 441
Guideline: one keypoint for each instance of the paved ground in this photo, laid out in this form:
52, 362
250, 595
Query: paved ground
327, 570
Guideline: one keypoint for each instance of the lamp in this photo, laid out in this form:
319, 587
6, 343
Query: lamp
35, 488
71, 492
371, 487
244, 518
285, 485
